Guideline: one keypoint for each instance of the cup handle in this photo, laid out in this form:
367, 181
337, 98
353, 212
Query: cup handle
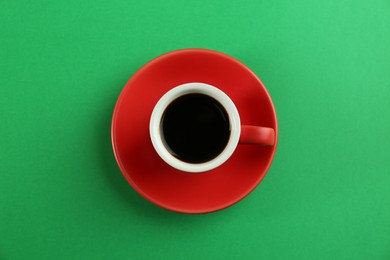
257, 135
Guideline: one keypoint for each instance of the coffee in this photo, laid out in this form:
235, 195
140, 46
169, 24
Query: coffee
195, 128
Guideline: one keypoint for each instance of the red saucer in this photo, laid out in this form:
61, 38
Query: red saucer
158, 182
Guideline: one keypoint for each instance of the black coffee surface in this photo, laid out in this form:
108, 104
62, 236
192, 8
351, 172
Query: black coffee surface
195, 128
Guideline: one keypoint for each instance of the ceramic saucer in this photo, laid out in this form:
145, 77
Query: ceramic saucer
158, 182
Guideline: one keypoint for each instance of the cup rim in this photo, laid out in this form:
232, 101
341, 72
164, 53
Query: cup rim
194, 88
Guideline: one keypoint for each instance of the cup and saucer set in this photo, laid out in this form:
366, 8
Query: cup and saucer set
194, 131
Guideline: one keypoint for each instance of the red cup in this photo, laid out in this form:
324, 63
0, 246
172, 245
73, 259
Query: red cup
244, 134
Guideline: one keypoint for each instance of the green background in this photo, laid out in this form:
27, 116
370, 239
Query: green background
326, 65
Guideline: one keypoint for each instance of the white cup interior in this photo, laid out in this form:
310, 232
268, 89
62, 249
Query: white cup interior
194, 88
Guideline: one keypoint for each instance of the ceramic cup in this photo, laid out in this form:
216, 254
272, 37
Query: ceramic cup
238, 134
